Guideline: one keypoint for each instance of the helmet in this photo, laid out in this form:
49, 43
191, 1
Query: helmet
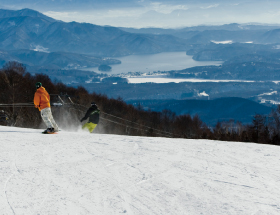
92, 103
38, 85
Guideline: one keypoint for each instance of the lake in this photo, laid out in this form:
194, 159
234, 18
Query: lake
155, 62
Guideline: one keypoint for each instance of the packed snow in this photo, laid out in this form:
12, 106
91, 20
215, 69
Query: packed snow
81, 173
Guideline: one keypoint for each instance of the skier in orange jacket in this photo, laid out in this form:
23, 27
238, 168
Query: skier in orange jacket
42, 102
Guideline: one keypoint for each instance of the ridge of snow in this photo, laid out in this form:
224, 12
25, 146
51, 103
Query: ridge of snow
82, 173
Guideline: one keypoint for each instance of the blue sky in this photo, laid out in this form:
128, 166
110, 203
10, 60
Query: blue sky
148, 13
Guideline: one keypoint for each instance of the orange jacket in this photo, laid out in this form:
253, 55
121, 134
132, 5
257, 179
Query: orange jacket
41, 99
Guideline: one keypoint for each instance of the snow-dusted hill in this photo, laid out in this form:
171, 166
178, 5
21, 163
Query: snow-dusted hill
80, 173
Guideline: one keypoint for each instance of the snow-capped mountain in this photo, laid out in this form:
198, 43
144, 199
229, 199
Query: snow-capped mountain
81, 173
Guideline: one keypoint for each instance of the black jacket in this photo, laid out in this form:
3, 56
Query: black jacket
3, 116
93, 114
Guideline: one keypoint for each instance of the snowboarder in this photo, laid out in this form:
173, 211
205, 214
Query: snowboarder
42, 102
3, 116
93, 115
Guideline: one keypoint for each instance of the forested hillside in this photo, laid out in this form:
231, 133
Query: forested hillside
17, 88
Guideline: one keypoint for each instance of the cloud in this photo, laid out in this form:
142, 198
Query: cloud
117, 17
122, 13
165, 8
61, 15
99, 17
10, 7
210, 6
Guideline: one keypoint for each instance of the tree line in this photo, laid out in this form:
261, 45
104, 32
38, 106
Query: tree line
17, 86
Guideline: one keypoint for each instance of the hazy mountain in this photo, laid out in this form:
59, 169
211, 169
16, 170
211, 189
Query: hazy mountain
200, 28
205, 34
224, 35
223, 52
210, 111
241, 62
34, 30
272, 36
24, 12
21, 32
29, 29
55, 60
243, 70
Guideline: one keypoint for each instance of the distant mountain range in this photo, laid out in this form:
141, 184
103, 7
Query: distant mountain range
223, 52
209, 111
29, 29
58, 44
201, 28
265, 34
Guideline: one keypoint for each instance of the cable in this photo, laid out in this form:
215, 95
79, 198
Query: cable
137, 123
132, 127
161, 132
17, 104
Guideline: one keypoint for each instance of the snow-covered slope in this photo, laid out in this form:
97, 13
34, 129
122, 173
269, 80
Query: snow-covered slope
80, 173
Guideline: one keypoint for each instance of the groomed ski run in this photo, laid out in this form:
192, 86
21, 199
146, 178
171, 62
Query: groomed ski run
80, 173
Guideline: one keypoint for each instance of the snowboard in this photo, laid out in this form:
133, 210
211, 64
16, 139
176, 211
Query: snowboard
49, 133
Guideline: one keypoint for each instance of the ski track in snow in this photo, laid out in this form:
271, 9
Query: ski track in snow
80, 173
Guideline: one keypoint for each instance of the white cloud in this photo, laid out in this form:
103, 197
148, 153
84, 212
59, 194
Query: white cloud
10, 7
61, 15
121, 17
165, 8
99, 17
123, 13
210, 6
